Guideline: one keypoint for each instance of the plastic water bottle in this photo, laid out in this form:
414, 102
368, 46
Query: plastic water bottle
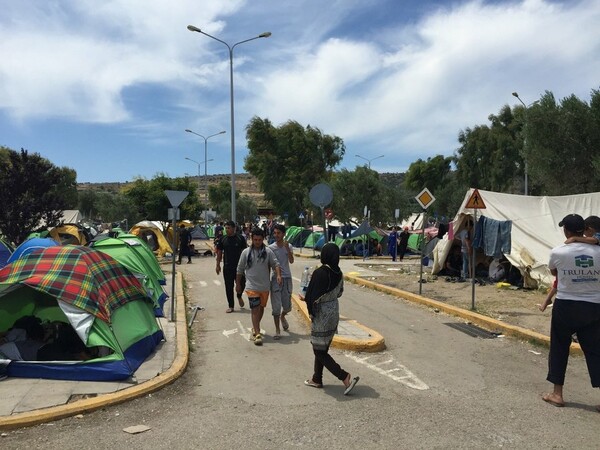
304, 280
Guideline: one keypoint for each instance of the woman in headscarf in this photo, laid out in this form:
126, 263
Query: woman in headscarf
325, 287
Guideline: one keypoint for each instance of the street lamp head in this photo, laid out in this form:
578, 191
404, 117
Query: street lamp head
263, 35
515, 94
193, 28
188, 131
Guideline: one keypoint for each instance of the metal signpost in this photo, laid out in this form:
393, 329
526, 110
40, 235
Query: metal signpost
425, 199
321, 195
475, 202
175, 198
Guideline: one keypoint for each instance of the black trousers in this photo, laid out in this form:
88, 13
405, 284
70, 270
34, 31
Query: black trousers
229, 274
568, 317
324, 359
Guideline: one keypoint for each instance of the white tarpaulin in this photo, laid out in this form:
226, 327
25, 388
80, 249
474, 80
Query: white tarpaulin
535, 229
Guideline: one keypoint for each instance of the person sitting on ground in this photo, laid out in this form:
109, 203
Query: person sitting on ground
23, 340
359, 248
453, 263
346, 248
375, 247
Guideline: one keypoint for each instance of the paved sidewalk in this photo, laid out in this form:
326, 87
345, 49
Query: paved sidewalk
27, 401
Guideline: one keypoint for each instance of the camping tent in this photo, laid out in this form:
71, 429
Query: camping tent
152, 234
70, 233
534, 230
30, 245
91, 293
140, 247
5, 251
123, 251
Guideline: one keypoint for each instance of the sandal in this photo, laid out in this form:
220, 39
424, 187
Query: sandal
277, 336
257, 339
311, 383
284, 323
351, 385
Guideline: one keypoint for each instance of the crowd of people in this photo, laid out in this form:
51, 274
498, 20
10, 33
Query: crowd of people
262, 271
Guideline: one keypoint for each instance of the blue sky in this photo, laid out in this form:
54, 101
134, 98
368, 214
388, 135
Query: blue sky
108, 87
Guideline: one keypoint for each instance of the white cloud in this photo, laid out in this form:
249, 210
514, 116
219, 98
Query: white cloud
370, 71
448, 71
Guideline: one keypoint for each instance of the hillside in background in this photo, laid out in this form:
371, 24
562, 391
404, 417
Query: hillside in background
245, 184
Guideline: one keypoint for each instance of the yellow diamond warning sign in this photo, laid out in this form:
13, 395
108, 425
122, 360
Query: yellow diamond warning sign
425, 198
475, 201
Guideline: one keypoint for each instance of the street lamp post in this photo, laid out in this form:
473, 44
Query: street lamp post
230, 48
205, 160
369, 160
199, 180
515, 94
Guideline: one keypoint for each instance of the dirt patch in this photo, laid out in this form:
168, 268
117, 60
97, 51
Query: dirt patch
509, 304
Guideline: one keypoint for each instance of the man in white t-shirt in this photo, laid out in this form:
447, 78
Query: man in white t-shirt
281, 293
576, 309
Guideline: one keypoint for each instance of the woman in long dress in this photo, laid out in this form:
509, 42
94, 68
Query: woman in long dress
325, 287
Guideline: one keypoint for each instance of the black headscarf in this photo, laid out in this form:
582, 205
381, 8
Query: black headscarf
325, 278
330, 256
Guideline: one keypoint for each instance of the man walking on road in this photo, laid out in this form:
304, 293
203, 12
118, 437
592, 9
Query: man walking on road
281, 293
256, 263
576, 309
229, 249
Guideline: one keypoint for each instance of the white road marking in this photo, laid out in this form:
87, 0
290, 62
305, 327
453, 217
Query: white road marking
409, 379
217, 282
244, 332
203, 283
226, 333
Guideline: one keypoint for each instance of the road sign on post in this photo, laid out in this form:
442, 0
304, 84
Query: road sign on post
425, 198
475, 201
175, 198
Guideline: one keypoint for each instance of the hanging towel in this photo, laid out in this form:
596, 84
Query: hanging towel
493, 236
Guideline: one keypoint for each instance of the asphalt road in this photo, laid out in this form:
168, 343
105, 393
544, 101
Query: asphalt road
434, 387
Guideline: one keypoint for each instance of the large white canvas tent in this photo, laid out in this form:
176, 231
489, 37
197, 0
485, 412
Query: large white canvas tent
535, 229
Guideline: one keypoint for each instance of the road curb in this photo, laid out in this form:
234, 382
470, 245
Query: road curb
486, 322
177, 369
375, 342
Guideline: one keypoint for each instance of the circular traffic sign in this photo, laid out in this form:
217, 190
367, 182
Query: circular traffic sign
321, 195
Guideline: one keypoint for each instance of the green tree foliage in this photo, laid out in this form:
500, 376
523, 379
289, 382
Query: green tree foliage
107, 206
220, 196
490, 157
246, 209
150, 200
32, 189
353, 190
436, 174
289, 160
563, 144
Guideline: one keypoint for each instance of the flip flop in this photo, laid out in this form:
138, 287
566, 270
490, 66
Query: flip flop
285, 324
311, 383
547, 399
351, 385
229, 310
277, 337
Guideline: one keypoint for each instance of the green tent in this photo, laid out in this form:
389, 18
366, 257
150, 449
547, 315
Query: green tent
124, 251
91, 298
140, 247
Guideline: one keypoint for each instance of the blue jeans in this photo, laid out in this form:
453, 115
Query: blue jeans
465, 266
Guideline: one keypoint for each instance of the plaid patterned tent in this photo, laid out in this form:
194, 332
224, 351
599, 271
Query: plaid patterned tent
81, 276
